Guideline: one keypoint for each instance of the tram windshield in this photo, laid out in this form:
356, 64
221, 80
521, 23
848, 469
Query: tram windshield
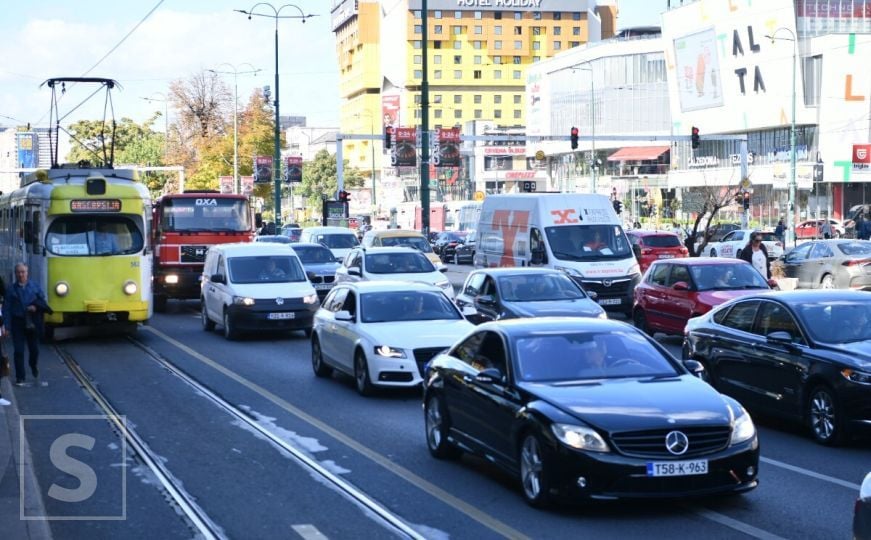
93, 236
205, 214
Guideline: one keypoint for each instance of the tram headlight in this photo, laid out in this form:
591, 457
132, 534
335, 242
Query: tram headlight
61, 288
130, 288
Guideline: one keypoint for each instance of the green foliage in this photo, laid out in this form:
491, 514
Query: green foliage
320, 178
134, 143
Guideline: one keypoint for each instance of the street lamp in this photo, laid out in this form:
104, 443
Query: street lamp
236, 184
165, 101
276, 158
592, 128
368, 113
790, 211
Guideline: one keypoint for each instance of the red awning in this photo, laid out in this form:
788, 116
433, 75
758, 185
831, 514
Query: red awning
638, 153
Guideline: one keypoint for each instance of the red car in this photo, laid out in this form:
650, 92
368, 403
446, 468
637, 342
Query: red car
650, 246
673, 291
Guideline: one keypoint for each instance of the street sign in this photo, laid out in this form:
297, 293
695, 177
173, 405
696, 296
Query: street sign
539, 155
745, 184
479, 195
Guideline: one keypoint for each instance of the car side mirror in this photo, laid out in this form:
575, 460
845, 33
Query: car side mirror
486, 300
681, 286
442, 268
695, 367
354, 271
217, 278
537, 257
489, 376
780, 337
344, 316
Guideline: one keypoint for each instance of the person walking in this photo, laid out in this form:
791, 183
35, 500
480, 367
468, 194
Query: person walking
22, 318
826, 229
756, 254
779, 230
4, 366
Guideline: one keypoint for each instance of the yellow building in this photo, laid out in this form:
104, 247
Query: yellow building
478, 53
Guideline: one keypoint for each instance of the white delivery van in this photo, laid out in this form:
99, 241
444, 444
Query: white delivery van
577, 233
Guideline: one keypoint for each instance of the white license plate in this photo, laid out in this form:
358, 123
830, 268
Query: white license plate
323, 286
677, 468
609, 301
278, 316
666, 256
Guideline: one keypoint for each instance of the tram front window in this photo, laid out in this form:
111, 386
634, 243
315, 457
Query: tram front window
90, 235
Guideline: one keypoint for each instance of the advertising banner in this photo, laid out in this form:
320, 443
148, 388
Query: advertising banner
247, 185
226, 183
27, 150
861, 157
293, 169
262, 169
448, 151
404, 147
698, 71
390, 110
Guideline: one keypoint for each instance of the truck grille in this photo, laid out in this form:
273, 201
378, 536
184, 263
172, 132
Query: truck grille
193, 254
616, 287
651, 443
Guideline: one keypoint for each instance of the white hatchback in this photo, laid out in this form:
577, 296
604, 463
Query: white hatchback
392, 263
384, 332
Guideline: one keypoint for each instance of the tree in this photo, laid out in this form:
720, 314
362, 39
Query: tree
90, 136
705, 201
320, 178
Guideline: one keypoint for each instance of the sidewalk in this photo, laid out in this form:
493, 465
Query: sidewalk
11, 525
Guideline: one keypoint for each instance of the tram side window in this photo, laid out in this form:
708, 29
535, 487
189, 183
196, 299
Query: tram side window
84, 235
36, 229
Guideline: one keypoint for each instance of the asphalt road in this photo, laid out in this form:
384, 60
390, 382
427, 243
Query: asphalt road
250, 487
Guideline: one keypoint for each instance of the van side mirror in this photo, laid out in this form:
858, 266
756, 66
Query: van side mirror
217, 278
537, 257
354, 271
343, 316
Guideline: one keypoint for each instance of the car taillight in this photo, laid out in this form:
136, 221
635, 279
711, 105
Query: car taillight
856, 262
646, 251
684, 251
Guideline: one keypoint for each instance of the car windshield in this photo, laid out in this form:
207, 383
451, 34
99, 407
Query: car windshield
265, 269
855, 248
538, 288
398, 263
576, 356
414, 242
825, 320
768, 237
588, 242
711, 277
662, 241
293, 234
93, 236
393, 306
314, 254
339, 241
205, 214
275, 239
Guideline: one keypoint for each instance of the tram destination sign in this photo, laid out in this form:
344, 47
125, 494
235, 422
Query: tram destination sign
95, 205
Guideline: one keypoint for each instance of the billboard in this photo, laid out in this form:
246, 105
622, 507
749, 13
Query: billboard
724, 74
226, 183
262, 169
447, 151
293, 169
389, 110
247, 185
404, 151
27, 150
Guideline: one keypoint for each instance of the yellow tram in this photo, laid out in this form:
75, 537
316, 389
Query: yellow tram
84, 234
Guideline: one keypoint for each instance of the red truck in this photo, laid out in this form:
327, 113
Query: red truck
184, 226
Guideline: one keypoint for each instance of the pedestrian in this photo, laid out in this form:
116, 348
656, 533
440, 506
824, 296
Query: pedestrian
4, 360
23, 308
826, 229
676, 229
636, 224
778, 231
756, 254
865, 228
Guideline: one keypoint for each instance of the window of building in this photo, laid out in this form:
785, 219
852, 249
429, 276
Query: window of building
557, 45
437, 44
576, 30
476, 74
557, 16
458, 74
574, 44
416, 44
458, 14
418, 59
458, 59
417, 99
497, 114
576, 16
437, 59
515, 74
477, 44
518, 44
497, 30
418, 74
418, 29
518, 15
813, 80
497, 15
536, 15
479, 30
497, 59
456, 30
478, 15
536, 30
536, 45
437, 98
497, 44
536, 59
518, 99
497, 99
477, 60
416, 13
437, 74
557, 30
438, 113
517, 113
458, 113
516, 60
417, 113
458, 98
437, 29
478, 114
497, 73
477, 99
518, 30
458, 45
437, 14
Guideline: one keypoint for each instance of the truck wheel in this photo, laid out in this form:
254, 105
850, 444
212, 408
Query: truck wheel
159, 302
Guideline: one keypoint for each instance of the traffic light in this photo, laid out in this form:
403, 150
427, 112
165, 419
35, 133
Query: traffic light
344, 196
574, 138
746, 200
695, 137
388, 137
739, 198
618, 206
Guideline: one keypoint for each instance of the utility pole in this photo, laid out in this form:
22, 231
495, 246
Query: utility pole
424, 127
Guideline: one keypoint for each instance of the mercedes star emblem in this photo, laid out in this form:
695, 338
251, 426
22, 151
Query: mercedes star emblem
677, 443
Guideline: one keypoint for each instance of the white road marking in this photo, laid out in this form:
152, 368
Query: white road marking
812, 474
732, 523
309, 532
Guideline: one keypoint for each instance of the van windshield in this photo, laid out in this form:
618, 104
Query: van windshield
588, 242
265, 269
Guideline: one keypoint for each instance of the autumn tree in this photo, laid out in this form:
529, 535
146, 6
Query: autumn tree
705, 201
320, 178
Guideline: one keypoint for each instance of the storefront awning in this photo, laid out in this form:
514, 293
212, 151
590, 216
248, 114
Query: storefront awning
638, 153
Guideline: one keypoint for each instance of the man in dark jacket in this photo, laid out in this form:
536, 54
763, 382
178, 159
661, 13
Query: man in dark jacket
22, 317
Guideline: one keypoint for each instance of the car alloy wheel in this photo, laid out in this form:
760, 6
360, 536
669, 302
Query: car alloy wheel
533, 472
361, 375
640, 321
824, 416
208, 324
320, 367
828, 282
437, 428
229, 328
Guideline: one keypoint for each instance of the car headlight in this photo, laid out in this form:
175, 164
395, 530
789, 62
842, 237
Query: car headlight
444, 284
580, 437
856, 376
570, 271
62, 288
243, 301
634, 269
172, 279
389, 352
865, 489
310, 299
742, 428
602, 315
130, 288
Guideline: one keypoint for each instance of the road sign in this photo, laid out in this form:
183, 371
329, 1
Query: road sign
745, 184
539, 155
479, 195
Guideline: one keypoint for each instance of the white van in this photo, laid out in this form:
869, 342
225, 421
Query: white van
339, 240
256, 286
577, 233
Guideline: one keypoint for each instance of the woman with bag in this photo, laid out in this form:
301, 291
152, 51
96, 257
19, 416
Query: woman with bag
22, 317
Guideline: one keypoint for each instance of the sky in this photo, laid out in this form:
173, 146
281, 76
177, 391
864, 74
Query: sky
62, 38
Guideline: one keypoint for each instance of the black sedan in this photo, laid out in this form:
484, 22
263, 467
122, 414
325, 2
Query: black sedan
830, 264
586, 409
507, 293
446, 243
465, 250
799, 354
320, 266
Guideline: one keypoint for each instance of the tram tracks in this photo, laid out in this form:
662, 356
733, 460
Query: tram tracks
197, 516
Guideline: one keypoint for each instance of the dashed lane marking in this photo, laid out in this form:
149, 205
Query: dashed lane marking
309, 532
812, 474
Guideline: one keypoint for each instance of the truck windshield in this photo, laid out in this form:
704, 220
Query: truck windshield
205, 214
93, 236
588, 242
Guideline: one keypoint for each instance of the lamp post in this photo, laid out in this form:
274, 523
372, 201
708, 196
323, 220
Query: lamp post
236, 185
276, 158
790, 223
593, 186
165, 119
368, 113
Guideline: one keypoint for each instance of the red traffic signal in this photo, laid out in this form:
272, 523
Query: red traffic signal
574, 138
694, 137
344, 196
746, 200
